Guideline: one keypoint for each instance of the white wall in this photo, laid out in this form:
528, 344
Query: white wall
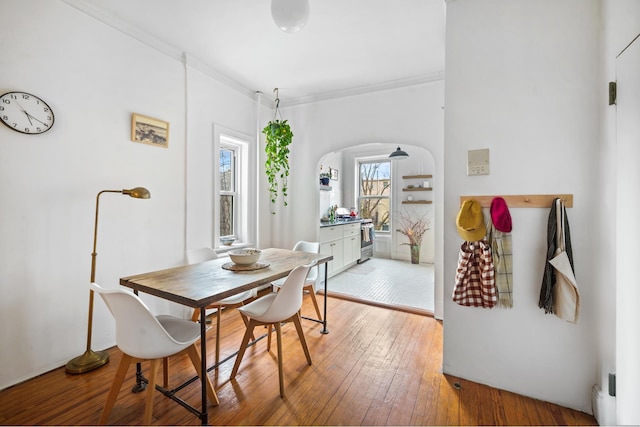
328, 198
94, 77
523, 81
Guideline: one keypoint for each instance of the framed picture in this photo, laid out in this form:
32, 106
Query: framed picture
148, 130
334, 174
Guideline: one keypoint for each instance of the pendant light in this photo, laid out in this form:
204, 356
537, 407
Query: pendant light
398, 154
290, 15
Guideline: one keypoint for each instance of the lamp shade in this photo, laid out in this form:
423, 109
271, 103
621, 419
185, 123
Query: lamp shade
290, 15
138, 193
398, 154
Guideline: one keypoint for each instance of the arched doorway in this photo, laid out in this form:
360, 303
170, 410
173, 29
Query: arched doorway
388, 278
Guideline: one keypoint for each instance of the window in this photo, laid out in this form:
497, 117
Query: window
374, 196
234, 196
228, 194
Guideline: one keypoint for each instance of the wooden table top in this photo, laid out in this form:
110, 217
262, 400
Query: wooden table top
199, 285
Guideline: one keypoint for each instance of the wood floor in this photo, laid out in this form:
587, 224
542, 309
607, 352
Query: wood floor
375, 367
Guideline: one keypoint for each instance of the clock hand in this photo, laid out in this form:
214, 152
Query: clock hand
28, 115
35, 118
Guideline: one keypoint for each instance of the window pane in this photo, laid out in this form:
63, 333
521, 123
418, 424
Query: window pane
378, 211
226, 170
226, 215
375, 189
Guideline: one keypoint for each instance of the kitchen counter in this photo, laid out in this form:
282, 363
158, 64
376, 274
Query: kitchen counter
339, 222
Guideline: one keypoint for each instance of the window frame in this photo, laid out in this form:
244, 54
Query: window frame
244, 230
235, 178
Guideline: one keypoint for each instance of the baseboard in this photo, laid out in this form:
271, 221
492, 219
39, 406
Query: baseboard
603, 407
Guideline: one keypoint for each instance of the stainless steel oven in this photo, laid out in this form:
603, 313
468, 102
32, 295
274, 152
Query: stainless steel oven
366, 240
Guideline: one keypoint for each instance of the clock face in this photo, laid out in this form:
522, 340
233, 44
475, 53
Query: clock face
25, 113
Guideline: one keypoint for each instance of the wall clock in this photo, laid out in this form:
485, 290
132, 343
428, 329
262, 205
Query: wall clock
25, 113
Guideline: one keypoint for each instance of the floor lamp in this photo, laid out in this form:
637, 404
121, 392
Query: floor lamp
90, 359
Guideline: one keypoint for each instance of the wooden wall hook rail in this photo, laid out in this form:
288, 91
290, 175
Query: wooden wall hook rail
523, 201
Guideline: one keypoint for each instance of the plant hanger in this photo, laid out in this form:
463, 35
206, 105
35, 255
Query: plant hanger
277, 113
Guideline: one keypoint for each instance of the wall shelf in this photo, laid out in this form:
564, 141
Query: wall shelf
417, 189
325, 187
417, 202
417, 176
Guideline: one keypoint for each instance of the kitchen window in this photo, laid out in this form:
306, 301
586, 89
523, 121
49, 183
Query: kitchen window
374, 194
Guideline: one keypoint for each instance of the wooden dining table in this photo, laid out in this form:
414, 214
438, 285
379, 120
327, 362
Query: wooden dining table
199, 285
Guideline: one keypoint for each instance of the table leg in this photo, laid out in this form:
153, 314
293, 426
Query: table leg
326, 279
204, 417
140, 385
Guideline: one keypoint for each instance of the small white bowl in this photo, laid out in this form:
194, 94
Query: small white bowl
245, 256
227, 241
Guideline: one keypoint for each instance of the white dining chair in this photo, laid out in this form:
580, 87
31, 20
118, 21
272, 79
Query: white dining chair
274, 309
141, 336
195, 256
310, 283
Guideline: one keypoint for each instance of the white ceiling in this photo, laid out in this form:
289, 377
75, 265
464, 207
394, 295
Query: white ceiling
348, 46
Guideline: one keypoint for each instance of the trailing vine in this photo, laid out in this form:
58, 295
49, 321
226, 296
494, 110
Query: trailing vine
279, 137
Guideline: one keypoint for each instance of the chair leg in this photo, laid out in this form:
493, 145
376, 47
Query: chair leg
280, 368
151, 389
196, 315
269, 329
246, 321
192, 351
218, 314
303, 341
245, 341
314, 301
165, 372
123, 367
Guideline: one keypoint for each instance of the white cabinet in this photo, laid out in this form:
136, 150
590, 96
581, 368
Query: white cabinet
342, 241
334, 248
351, 240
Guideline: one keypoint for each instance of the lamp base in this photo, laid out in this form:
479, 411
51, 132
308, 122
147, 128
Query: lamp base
88, 361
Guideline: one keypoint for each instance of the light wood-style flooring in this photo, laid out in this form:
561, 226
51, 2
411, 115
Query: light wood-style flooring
375, 367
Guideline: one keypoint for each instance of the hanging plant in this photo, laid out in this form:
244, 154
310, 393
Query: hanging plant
279, 137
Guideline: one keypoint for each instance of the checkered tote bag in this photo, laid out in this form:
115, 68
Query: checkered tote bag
475, 279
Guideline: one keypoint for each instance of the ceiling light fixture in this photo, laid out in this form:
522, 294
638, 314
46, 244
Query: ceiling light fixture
290, 15
398, 154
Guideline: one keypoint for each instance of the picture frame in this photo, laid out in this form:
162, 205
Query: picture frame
334, 174
148, 130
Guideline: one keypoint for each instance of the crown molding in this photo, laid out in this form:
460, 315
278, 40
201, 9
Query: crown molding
361, 90
195, 63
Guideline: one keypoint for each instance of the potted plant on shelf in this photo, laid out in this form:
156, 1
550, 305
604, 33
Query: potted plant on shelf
324, 178
413, 228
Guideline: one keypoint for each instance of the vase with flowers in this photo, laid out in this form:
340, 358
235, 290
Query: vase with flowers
413, 227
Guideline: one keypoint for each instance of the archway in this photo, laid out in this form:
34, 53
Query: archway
410, 178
